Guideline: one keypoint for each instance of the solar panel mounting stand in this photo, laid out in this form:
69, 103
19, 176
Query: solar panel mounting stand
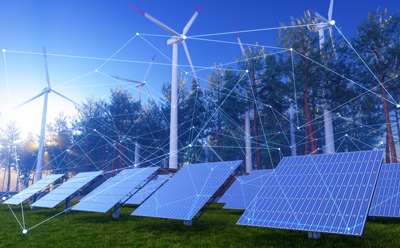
188, 222
115, 212
314, 235
67, 205
217, 193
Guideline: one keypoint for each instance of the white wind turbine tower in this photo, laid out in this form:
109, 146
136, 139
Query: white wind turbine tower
326, 24
139, 85
45, 92
174, 41
247, 132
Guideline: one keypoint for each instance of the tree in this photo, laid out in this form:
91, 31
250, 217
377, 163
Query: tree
377, 41
10, 140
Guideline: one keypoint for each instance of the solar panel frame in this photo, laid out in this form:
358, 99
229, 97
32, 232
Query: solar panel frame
114, 190
248, 189
185, 194
33, 189
386, 200
67, 189
303, 208
147, 190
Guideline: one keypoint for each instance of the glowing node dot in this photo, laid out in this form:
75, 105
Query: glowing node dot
186, 73
291, 146
298, 128
4, 198
190, 145
24, 231
184, 37
345, 135
381, 142
398, 105
96, 70
291, 49
247, 71
332, 22
348, 229
135, 165
279, 149
137, 33
95, 130
3, 50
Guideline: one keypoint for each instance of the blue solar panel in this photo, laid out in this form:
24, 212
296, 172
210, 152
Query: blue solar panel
248, 189
66, 189
231, 189
114, 190
148, 189
386, 201
187, 191
320, 193
33, 189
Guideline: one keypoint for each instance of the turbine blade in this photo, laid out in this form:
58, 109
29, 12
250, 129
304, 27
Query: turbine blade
65, 97
148, 68
190, 22
148, 92
45, 65
330, 11
240, 43
154, 20
333, 44
191, 65
125, 79
320, 17
30, 100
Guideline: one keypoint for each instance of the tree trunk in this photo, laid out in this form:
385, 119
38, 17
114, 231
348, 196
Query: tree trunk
9, 170
308, 126
306, 143
398, 126
387, 118
387, 152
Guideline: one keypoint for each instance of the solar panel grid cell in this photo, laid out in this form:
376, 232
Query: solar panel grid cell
147, 190
387, 193
33, 189
114, 190
235, 185
66, 189
247, 189
187, 191
320, 193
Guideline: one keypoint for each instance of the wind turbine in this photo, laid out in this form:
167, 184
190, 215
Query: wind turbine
174, 41
139, 85
247, 132
45, 92
321, 27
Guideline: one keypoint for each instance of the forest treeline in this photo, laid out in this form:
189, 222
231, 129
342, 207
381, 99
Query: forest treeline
357, 79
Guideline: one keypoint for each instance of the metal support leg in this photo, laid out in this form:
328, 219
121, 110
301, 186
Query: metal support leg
67, 205
314, 235
115, 213
188, 222
34, 200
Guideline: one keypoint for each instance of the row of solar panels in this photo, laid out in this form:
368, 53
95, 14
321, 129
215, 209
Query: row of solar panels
321, 193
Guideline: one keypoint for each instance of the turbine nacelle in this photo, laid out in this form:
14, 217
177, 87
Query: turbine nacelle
176, 39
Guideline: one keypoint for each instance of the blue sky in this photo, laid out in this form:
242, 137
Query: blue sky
98, 29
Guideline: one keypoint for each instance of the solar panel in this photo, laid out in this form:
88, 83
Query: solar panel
386, 201
187, 191
33, 189
66, 189
231, 189
148, 189
321, 193
112, 191
248, 189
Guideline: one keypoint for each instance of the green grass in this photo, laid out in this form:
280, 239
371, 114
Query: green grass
216, 228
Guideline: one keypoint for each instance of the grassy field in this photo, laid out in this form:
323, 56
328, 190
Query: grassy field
216, 228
